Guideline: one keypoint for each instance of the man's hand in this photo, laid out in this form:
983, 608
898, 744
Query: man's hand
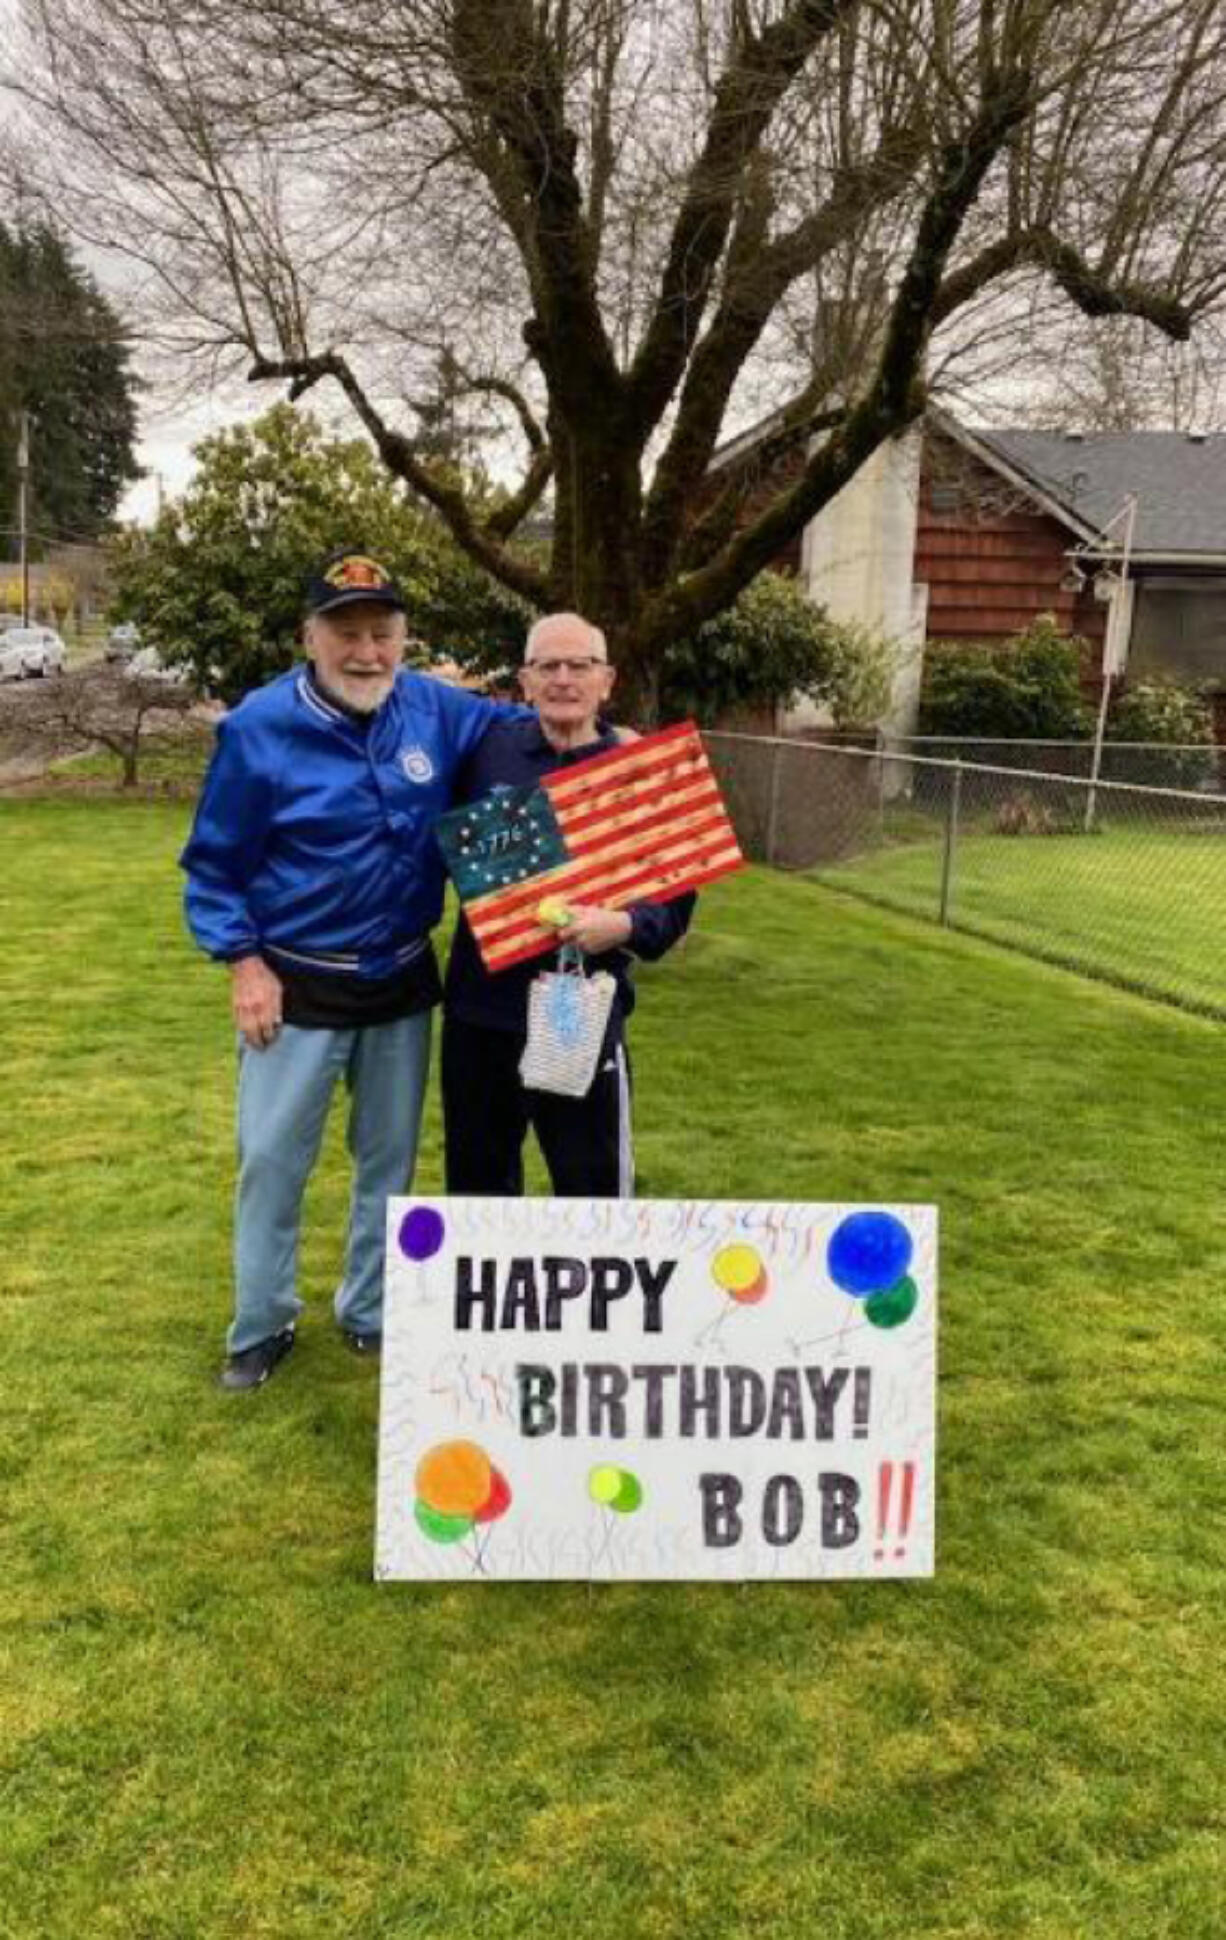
596, 930
256, 999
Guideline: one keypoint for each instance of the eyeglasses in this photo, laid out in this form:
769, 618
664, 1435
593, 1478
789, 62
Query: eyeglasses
580, 664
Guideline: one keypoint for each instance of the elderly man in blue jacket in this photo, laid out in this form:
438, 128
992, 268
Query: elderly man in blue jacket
313, 873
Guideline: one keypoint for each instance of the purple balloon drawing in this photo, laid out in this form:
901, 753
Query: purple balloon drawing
421, 1233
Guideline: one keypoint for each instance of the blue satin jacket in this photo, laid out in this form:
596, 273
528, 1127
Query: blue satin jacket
313, 838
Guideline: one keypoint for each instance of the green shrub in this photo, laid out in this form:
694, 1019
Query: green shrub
217, 583
1160, 710
1027, 689
774, 646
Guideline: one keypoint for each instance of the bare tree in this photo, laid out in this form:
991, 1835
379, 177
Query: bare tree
1116, 376
632, 222
102, 707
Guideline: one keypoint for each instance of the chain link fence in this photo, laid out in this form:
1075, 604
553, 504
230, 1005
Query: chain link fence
1199, 766
1119, 881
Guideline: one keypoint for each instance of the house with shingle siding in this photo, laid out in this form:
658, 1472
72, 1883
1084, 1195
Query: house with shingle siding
960, 532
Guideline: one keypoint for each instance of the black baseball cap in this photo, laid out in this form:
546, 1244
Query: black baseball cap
347, 576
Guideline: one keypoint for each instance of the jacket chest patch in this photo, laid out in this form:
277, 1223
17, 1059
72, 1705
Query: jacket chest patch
416, 764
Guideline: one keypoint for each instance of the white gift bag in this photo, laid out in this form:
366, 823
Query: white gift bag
568, 1014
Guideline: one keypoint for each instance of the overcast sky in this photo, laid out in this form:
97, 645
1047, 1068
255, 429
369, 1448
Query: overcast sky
167, 436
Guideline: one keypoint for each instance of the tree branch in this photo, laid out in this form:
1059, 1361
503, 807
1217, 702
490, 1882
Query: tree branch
755, 283
510, 75
748, 93
1094, 293
502, 522
397, 454
717, 524
894, 398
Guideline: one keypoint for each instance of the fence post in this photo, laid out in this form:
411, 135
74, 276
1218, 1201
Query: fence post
1097, 762
772, 813
951, 840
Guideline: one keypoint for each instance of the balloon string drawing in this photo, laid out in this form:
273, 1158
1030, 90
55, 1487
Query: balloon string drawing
740, 1275
616, 1492
868, 1258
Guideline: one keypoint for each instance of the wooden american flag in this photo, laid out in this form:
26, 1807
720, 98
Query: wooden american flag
643, 822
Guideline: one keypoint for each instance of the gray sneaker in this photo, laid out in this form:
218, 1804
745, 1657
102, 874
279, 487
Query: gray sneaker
252, 1367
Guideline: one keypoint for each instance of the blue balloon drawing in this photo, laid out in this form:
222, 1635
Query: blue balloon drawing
868, 1252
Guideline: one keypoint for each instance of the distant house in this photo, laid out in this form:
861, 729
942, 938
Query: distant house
1001, 511
955, 532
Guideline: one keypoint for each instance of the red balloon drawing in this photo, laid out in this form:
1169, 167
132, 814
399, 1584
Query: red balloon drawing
498, 1500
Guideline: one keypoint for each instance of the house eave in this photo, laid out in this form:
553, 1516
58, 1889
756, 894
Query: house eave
1021, 480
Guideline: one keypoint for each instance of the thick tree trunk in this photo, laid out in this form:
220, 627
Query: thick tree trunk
597, 555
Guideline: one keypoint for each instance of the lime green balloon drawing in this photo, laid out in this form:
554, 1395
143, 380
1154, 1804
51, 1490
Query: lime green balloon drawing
615, 1488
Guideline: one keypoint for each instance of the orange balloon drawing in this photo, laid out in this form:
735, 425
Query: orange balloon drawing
750, 1296
454, 1478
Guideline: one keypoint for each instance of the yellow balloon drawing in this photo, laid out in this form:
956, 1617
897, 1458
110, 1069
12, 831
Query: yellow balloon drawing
735, 1268
454, 1478
738, 1271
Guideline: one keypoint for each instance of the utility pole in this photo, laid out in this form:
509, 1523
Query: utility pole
1114, 583
23, 512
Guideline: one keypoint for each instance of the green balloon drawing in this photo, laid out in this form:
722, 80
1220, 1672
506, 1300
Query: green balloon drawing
441, 1528
894, 1305
615, 1488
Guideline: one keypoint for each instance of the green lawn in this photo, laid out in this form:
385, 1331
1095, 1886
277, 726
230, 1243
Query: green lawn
1141, 906
167, 761
212, 1723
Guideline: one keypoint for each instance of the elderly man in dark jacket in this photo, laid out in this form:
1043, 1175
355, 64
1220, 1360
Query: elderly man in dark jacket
587, 1142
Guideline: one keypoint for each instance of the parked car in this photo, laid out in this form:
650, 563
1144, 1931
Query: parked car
30, 652
122, 641
147, 664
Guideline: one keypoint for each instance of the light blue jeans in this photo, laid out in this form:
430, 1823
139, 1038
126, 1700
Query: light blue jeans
283, 1096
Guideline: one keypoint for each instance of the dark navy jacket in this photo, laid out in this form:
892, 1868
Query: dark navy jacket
514, 752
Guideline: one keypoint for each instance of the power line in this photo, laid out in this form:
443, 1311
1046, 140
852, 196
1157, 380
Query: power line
80, 544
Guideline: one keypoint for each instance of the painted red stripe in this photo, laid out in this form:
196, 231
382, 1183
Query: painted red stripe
721, 865
504, 904
627, 779
681, 790
559, 783
675, 860
660, 833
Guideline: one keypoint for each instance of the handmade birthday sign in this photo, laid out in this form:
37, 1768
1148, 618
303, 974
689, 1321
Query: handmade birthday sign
643, 822
657, 1389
